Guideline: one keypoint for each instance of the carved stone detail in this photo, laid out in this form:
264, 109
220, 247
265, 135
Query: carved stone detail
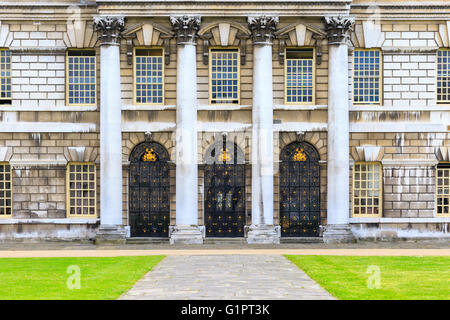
338, 29
185, 28
263, 29
109, 29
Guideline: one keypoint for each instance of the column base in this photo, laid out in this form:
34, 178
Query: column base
111, 234
186, 235
338, 233
263, 234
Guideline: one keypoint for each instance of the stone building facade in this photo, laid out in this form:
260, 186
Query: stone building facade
269, 121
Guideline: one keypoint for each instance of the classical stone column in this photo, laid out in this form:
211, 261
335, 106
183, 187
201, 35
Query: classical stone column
338, 228
186, 229
111, 228
262, 229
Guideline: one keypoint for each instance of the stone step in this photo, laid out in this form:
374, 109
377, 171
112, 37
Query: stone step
225, 241
145, 240
301, 240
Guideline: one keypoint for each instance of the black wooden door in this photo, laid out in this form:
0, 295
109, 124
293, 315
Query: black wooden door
299, 191
149, 209
225, 193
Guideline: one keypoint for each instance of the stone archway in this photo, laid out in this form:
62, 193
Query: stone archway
224, 190
299, 190
149, 191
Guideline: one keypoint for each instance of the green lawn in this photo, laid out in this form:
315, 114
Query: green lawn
47, 278
346, 277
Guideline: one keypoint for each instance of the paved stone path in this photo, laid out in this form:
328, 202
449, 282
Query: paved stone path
226, 277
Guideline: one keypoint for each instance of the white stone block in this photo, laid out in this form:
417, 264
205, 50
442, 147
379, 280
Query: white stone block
426, 95
46, 73
38, 66
38, 35
21, 35
29, 43
418, 58
401, 43
410, 80
47, 43
21, 66
426, 35
393, 35
419, 43
38, 81
46, 58
427, 80
410, 65
401, 58
29, 88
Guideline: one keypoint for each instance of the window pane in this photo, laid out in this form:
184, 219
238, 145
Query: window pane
5, 76
443, 76
299, 81
367, 190
148, 76
224, 76
366, 76
442, 190
81, 65
82, 187
5, 190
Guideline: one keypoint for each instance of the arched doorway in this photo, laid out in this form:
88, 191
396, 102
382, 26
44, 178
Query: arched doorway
149, 190
299, 190
224, 190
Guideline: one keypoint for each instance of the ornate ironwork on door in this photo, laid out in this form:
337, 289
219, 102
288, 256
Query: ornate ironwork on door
149, 209
299, 190
224, 190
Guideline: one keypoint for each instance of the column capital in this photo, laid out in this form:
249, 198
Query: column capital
263, 29
338, 28
109, 29
185, 28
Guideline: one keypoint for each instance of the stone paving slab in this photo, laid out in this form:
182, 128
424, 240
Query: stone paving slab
230, 277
